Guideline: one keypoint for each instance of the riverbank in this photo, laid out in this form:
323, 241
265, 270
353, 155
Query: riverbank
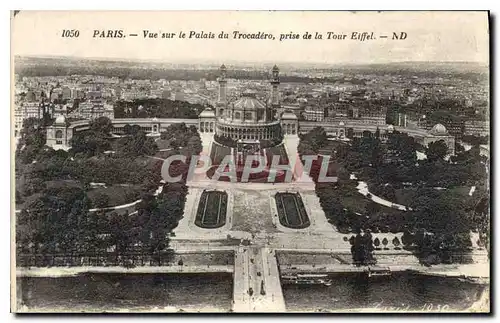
75, 271
480, 271
474, 271
308, 261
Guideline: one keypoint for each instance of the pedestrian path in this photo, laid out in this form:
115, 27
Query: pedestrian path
363, 189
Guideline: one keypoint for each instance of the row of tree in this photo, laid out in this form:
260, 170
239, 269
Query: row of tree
61, 224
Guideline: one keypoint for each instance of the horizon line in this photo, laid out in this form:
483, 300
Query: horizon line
233, 61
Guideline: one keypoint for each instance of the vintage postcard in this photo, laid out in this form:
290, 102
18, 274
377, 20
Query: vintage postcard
250, 161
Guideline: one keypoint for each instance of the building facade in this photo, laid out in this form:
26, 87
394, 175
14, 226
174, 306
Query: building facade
477, 128
440, 133
247, 118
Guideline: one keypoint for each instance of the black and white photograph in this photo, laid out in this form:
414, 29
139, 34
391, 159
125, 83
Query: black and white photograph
250, 162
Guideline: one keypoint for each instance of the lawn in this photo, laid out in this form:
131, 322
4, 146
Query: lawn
49, 185
385, 219
212, 210
351, 199
291, 210
164, 154
163, 144
116, 194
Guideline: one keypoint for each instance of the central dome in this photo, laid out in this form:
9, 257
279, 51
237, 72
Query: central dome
248, 103
207, 113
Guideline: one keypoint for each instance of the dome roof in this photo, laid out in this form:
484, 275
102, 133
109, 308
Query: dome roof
288, 115
438, 130
207, 113
248, 103
275, 68
61, 119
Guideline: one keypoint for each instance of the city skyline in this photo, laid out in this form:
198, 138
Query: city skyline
242, 62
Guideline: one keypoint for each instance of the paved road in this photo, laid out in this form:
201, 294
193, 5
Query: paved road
257, 285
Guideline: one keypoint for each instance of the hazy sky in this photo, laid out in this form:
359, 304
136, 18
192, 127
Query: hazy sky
432, 36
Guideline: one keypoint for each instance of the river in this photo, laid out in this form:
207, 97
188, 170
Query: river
213, 292
398, 292
134, 292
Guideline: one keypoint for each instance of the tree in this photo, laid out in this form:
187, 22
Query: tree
101, 201
32, 140
407, 238
437, 151
372, 208
312, 141
439, 212
89, 143
459, 148
343, 174
32, 184
120, 236
443, 222
396, 242
54, 221
385, 242
137, 144
368, 248
362, 249
194, 145
102, 125
402, 148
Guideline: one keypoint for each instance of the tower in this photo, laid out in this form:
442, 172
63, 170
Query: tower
275, 95
222, 101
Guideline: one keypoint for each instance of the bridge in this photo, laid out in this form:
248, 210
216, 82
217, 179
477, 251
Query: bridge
257, 286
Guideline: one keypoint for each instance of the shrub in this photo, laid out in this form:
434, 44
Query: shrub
396, 243
385, 242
